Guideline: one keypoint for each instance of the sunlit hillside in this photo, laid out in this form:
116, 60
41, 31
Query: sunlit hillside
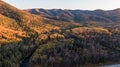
69, 39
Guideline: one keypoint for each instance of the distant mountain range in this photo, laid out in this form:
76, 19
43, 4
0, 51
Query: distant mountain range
79, 15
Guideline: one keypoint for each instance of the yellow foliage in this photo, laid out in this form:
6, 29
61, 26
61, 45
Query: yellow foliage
81, 30
56, 36
43, 37
45, 28
8, 35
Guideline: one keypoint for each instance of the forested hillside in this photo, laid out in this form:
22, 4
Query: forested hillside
18, 34
48, 42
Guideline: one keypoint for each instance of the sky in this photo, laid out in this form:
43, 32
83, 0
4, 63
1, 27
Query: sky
66, 4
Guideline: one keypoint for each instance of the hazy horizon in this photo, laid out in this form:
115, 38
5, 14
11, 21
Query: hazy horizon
67, 4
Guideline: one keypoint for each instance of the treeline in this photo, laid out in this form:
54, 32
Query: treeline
80, 46
13, 53
64, 47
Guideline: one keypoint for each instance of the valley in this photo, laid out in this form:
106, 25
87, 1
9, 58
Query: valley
58, 38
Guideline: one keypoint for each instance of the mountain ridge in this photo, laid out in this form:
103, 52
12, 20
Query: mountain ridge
79, 15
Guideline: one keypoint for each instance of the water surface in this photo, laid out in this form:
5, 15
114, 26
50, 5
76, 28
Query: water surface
113, 65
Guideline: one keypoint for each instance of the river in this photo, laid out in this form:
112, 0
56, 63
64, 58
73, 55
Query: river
25, 63
113, 65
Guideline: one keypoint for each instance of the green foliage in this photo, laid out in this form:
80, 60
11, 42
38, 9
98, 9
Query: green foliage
11, 55
47, 53
88, 45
